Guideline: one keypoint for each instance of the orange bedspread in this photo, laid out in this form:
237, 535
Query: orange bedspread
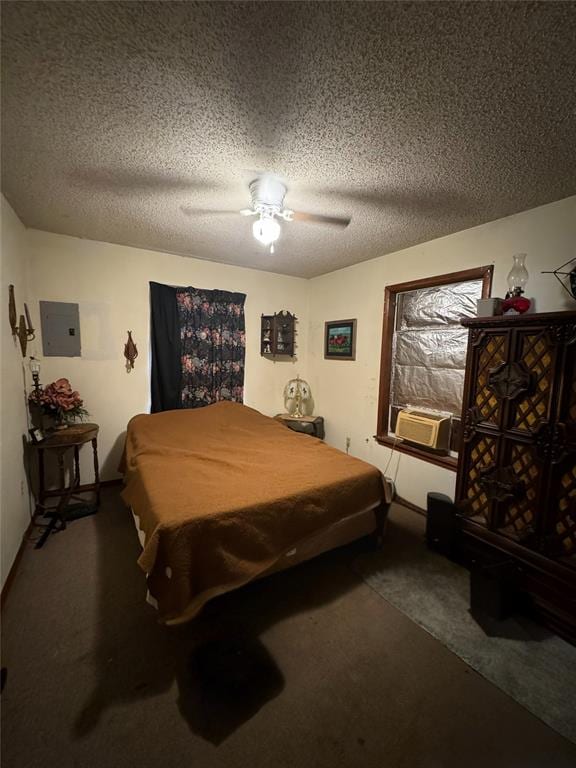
222, 492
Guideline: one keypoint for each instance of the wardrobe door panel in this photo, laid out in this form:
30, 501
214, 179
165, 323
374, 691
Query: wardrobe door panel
557, 442
480, 458
521, 477
566, 380
484, 407
535, 361
561, 511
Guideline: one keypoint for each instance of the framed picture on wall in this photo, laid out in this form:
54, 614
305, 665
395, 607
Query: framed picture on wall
340, 340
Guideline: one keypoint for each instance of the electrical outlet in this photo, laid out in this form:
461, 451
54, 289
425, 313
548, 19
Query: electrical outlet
21, 487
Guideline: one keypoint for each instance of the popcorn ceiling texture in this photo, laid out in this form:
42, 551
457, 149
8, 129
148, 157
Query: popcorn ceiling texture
416, 119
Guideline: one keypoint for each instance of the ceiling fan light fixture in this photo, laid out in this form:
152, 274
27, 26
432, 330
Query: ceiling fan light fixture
266, 230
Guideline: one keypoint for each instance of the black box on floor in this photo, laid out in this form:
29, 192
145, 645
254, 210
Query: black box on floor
441, 527
491, 594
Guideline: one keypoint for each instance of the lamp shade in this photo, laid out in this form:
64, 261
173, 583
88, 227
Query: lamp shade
296, 392
266, 230
34, 365
518, 275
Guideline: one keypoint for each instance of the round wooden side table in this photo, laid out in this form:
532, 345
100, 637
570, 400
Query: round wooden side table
60, 442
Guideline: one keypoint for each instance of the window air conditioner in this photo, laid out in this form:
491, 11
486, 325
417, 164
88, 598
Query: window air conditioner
429, 429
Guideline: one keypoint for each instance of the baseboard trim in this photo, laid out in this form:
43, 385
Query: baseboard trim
409, 505
14, 567
111, 483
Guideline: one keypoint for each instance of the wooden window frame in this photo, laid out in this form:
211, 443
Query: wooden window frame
390, 298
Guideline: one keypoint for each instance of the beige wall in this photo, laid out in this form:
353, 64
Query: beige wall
346, 393
14, 497
110, 282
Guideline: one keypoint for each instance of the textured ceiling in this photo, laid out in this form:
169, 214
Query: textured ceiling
415, 119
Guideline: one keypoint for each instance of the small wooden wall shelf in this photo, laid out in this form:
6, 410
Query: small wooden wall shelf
278, 335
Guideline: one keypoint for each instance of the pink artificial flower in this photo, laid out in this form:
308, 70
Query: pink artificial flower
58, 396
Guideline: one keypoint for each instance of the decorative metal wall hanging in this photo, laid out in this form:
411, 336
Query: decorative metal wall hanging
22, 327
130, 352
561, 273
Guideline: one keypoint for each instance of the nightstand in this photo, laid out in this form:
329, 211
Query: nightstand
310, 425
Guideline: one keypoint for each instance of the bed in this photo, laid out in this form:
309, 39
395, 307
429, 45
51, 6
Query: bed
223, 495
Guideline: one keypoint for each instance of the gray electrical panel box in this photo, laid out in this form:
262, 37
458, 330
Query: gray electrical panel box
60, 329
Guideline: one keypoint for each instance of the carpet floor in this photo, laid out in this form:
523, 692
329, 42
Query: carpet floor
534, 666
308, 668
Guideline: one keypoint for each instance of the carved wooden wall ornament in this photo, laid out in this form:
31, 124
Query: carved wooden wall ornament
130, 352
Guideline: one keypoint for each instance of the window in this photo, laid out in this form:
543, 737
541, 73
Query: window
424, 352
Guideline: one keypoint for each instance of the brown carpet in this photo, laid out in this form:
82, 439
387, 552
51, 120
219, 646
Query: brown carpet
306, 668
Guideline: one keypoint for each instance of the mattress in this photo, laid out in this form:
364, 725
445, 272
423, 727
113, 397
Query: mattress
223, 494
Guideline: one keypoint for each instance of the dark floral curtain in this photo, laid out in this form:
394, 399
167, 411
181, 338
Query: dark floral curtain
213, 339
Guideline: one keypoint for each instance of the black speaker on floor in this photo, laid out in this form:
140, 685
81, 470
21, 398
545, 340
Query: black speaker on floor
441, 526
492, 597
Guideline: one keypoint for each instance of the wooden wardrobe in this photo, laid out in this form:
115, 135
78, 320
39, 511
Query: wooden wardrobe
516, 486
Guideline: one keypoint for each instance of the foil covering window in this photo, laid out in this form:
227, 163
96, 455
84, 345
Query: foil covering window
429, 347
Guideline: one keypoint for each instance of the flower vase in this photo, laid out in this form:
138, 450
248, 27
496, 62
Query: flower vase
60, 423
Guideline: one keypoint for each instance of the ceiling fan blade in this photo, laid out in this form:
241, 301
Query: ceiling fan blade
189, 211
247, 212
124, 182
335, 221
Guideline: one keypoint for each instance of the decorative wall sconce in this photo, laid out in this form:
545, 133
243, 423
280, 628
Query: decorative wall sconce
23, 328
35, 371
130, 353
35, 402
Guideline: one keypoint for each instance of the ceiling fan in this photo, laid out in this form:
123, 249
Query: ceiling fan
267, 193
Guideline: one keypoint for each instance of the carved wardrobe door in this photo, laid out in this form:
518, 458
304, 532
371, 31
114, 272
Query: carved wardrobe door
526, 386
482, 418
558, 444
